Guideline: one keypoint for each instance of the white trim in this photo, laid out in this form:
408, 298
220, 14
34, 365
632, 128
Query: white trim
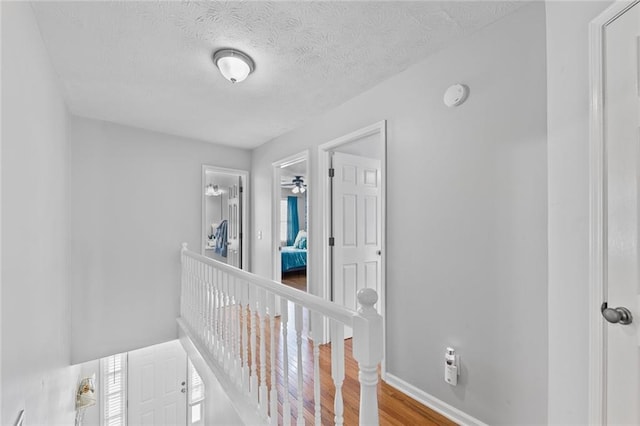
276, 166
245, 208
324, 153
452, 413
597, 214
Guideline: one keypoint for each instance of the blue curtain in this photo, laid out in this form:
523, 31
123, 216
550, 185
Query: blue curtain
293, 225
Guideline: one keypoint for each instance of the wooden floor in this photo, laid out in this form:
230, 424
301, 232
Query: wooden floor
395, 408
296, 280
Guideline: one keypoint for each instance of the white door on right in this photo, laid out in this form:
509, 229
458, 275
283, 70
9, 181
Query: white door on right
357, 227
622, 145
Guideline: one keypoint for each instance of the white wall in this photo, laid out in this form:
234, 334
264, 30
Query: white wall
568, 159
35, 319
467, 254
136, 196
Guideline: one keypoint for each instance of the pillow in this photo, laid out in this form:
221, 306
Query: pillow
301, 234
302, 243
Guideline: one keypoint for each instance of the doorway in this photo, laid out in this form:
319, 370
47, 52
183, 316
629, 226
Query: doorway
224, 215
352, 172
615, 216
157, 384
291, 220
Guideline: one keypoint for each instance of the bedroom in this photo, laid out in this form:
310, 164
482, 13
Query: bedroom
293, 219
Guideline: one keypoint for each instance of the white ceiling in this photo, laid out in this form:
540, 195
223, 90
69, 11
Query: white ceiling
148, 64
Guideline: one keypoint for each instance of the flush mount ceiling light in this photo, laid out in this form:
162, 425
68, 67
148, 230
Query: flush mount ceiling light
234, 65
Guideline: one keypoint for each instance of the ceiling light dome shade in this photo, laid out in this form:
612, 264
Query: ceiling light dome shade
234, 65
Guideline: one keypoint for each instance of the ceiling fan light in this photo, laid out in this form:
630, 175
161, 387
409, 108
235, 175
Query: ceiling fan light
302, 189
295, 189
234, 65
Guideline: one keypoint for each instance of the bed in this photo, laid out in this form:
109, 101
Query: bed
293, 259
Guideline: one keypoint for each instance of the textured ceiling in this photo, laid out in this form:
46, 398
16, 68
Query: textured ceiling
148, 64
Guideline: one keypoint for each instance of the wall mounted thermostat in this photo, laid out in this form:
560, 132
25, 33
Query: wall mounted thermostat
456, 95
451, 370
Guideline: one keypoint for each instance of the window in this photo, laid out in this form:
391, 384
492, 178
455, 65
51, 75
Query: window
196, 397
284, 211
113, 371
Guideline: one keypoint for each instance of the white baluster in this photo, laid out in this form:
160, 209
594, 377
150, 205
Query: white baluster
188, 300
205, 305
212, 309
201, 303
368, 351
183, 279
191, 297
254, 362
239, 332
262, 313
235, 328
216, 312
185, 302
187, 296
300, 394
273, 394
227, 326
220, 325
246, 386
316, 324
284, 320
230, 351
337, 369
196, 307
209, 342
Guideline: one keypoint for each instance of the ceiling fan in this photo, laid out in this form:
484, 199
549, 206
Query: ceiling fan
297, 185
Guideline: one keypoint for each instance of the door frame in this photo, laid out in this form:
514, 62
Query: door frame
275, 214
324, 160
244, 174
597, 413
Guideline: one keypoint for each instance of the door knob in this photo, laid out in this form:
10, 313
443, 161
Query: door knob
616, 315
183, 390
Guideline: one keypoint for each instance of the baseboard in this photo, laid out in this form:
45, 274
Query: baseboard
432, 402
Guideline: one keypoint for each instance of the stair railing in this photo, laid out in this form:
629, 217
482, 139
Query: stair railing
234, 316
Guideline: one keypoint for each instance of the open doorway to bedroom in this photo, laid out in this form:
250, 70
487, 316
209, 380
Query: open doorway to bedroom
224, 216
291, 214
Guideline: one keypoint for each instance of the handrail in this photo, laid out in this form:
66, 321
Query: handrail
313, 302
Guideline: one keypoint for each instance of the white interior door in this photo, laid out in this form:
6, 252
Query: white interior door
622, 144
357, 227
157, 385
234, 227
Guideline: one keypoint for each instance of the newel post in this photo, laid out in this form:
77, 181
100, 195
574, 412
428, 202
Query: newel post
368, 351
